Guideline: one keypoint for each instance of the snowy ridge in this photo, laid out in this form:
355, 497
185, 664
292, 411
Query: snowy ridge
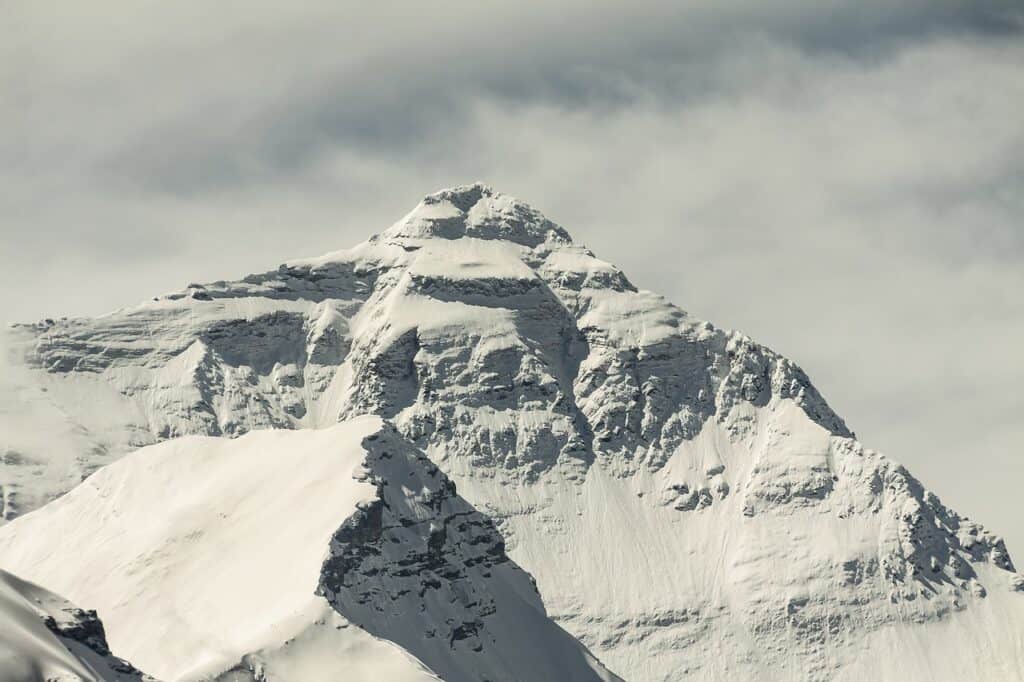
207, 558
685, 498
422, 568
45, 637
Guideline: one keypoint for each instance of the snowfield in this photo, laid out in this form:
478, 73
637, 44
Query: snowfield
45, 637
208, 557
277, 457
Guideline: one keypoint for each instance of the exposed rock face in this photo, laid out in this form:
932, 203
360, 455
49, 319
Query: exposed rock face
73, 624
44, 636
207, 558
451, 314
422, 568
416, 538
673, 487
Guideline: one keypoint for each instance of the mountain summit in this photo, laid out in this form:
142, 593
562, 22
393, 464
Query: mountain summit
479, 212
686, 501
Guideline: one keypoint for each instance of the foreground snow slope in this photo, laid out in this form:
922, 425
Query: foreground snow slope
685, 498
254, 555
45, 637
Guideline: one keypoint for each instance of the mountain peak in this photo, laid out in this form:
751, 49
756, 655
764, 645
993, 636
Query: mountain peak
464, 197
478, 211
717, 516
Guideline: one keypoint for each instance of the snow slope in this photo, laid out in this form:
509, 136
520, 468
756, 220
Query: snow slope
44, 637
256, 558
684, 497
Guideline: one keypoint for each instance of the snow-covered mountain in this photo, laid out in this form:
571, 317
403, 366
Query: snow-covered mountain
685, 499
294, 555
45, 637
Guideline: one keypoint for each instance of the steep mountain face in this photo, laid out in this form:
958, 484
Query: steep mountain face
45, 637
684, 497
286, 555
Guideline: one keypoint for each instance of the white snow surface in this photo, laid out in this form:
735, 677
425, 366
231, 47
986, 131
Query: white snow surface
686, 500
200, 550
32, 651
205, 556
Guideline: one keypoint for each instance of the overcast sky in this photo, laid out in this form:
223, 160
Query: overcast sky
842, 180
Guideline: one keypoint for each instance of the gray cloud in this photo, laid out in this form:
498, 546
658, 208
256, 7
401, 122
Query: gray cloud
235, 97
844, 182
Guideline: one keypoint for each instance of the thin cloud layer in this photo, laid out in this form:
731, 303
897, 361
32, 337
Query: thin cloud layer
844, 183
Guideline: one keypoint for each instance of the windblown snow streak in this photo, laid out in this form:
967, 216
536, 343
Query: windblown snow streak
686, 500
